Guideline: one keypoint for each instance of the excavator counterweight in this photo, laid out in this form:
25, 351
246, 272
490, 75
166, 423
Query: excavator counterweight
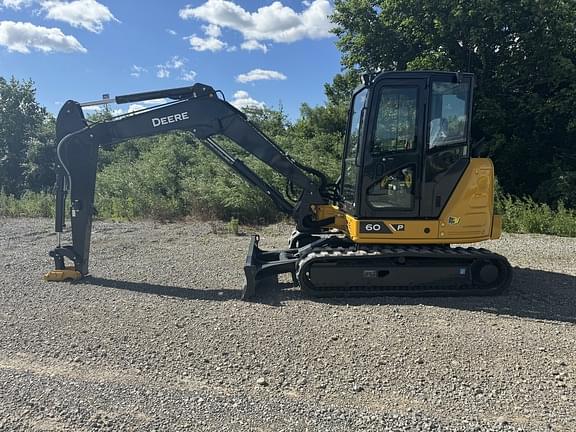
408, 189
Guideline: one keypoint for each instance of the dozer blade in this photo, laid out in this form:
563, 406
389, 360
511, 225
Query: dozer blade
263, 267
403, 271
68, 274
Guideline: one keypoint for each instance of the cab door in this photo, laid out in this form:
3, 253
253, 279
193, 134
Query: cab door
392, 175
447, 151
351, 168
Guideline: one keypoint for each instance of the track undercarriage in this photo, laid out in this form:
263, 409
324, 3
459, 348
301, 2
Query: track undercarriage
333, 266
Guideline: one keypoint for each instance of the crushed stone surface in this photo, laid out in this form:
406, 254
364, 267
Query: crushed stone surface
157, 339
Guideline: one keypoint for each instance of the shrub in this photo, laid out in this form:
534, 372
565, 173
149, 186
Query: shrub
173, 176
30, 204
234, 226
524, 215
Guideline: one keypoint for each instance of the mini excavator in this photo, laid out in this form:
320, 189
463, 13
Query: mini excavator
409, 188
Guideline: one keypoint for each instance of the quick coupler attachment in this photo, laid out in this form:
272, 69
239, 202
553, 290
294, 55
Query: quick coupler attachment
62, 272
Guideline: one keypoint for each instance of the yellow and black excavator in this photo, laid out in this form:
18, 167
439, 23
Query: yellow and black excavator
409, 188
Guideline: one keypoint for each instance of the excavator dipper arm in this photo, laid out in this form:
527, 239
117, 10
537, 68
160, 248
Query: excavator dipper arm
196, 109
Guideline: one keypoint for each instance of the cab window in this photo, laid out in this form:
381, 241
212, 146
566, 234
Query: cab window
352, 147
395, 131
396, 121
448, 114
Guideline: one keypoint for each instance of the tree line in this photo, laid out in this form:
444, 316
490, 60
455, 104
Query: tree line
523, 53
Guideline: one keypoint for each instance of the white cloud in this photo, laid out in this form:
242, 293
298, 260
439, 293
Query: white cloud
206, 44
96, 109
252, 45
87, 14
162, 72
274, 22
136, 107
131, 108
188, 75
93, 108
243, 100
24, 37
212, 30
136, 71
14, 4
260, 74
155, 101
175, 63
172, 32
211, 41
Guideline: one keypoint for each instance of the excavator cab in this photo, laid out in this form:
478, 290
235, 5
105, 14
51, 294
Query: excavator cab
407, 144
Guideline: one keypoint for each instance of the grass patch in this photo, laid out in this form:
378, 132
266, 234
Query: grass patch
31, 204
524, 215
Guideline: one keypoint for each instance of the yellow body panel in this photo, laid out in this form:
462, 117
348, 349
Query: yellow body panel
468, 217
496, 227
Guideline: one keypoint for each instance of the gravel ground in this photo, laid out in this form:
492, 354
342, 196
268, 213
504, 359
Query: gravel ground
157, 339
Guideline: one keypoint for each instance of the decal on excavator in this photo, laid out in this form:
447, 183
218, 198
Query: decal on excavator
374, 227
157, 121
453, 220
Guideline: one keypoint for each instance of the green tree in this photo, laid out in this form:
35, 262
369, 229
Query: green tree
339, 91
330, 118
24, 133
523, 53
100, 115
273, 122
39, 166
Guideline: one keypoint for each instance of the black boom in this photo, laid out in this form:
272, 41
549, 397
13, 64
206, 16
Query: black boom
197, 109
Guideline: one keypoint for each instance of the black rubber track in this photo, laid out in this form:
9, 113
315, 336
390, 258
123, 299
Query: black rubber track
403, 271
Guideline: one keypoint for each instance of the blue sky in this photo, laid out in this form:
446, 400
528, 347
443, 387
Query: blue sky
255, 51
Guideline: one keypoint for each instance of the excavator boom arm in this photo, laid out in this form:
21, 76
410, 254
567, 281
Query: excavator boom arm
196, 109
